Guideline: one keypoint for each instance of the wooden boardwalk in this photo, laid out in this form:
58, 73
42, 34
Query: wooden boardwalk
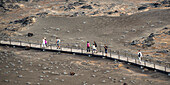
127, 59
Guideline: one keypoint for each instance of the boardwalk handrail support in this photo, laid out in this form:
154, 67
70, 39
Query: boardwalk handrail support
123, 58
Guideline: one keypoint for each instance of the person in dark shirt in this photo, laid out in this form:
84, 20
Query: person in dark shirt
105, 48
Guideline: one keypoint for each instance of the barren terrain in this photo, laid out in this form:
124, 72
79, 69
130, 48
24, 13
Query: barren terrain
31, 67
124, 25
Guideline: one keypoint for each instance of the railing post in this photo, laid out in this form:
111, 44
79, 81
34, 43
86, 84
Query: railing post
40, 45
127, 59
20, 43
92, 51
30, 44
48, 43
102, 53
10, 41
144, 63
135, 60
71, 49
118, 55
82, 50
100, 49
165, 68
110, 53
154, 66
51, 47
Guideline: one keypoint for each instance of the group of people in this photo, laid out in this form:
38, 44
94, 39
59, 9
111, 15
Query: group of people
44, 42
94, 47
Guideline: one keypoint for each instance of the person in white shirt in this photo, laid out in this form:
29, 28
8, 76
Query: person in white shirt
43, 42
139, 55
94, 48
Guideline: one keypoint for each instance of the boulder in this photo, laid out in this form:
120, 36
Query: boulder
72, 73
142, 8
162, 51
87, 7
165, 2
77, 3
155, 4
134, 42
42, 14
30, 34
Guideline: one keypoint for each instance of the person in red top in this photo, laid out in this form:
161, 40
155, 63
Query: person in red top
88, 46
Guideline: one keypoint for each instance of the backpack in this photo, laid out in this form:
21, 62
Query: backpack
139, 55
58, 41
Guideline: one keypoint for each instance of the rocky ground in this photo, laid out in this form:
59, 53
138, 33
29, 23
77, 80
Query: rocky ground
31, 67
124, 25
142, 33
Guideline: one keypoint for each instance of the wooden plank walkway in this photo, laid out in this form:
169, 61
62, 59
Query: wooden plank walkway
127, 59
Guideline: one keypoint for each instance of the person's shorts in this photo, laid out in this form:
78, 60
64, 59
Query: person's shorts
58, 44
105, 51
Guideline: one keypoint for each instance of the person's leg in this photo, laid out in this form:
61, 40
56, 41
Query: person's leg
94, 51
43, 45
58, 46
139, 59
106, 52
87, 49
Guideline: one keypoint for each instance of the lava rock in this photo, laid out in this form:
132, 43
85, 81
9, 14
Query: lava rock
134, 42
142, 8
155, 5
162, 51
77, 3
87, 7
72, 73
30, 34
151, 35
42, 14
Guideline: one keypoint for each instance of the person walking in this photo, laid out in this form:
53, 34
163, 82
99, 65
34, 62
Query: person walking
43, 42
139, 56
58, 42
95, 46
105, 48
88, 46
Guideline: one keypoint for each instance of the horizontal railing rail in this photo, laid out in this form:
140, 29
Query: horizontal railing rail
76, 48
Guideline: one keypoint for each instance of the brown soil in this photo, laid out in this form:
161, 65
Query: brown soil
116, 32
19, 67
